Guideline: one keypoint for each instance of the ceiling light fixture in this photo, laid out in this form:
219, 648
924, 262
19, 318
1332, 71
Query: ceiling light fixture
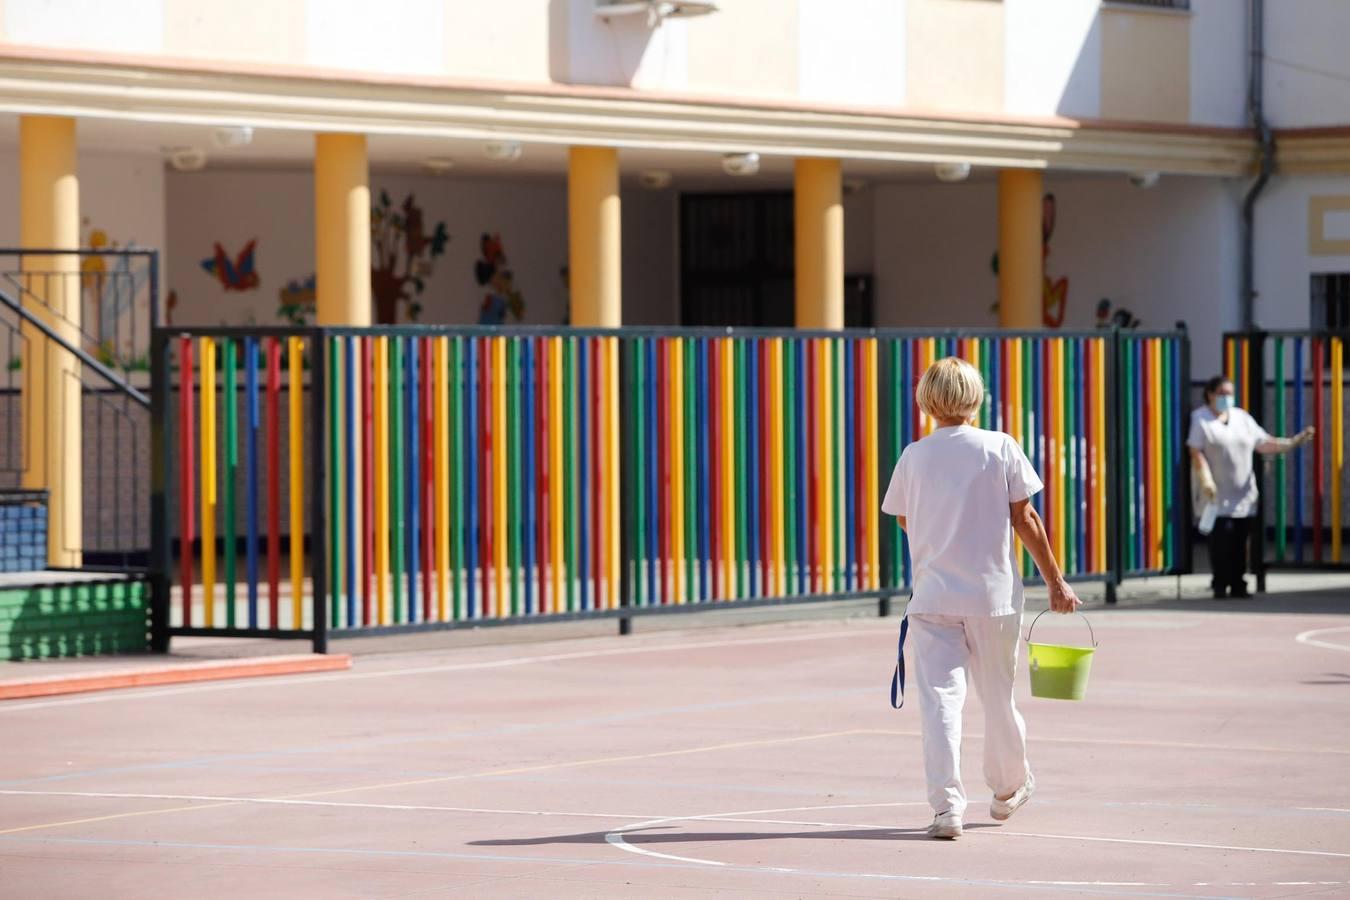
438, 165
952, 171
234, 136
185, 159
503, 151
740, 164
655, 179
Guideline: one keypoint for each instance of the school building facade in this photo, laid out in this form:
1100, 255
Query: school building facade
819, 163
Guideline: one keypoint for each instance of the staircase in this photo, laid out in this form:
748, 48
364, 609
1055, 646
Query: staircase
101, 603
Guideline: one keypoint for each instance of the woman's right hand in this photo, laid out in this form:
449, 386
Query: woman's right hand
1208, 488
1062, 597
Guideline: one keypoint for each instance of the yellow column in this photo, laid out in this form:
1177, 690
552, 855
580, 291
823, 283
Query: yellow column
594, 267
819, 212
49, 218
341, 266
342, 229
1020, 263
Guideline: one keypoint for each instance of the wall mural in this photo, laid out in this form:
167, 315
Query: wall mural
1054, 292
237, 274
403, 256
109, 288
296, 302
502, 299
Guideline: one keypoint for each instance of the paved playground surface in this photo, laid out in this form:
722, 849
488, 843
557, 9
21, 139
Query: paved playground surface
1209, 760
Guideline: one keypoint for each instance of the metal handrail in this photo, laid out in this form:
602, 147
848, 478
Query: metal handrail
103, 371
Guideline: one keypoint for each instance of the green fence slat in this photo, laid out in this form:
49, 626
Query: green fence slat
335, 510
790, 463
517, 521
570, 464
640, 470
690, 472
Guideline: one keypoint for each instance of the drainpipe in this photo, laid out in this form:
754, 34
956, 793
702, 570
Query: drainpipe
1257, 118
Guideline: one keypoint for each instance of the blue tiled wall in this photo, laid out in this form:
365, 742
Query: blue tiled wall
23, 534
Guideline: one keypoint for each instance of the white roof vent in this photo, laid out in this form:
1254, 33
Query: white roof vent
654, 10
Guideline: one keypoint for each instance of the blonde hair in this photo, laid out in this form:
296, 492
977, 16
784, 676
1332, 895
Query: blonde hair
951, 389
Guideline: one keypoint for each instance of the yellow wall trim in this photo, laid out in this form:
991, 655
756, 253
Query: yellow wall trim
1318, 242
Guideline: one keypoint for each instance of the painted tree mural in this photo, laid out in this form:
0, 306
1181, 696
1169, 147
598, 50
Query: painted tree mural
403, 256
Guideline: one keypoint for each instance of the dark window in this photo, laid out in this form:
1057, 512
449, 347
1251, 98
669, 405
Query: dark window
736, 260
737, 264
1331, 301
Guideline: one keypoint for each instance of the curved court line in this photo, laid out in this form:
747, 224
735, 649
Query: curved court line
349, 675
546, 861
615, 839
1309, 638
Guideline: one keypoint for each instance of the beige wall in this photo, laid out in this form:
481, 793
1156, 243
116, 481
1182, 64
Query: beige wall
261, 31
1146, 65
511, 44
745, 48
955, 55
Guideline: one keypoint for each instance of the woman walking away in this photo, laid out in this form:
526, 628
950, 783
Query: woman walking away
960, 493
1221, 442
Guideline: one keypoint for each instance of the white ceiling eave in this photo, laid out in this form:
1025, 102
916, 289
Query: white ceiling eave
160, 95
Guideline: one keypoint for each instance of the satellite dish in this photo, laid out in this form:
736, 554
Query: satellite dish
655, 10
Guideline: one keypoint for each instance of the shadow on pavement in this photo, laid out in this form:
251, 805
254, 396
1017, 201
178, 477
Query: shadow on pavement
645, 836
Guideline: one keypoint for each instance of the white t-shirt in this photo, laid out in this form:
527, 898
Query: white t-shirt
1228, 448
953, 488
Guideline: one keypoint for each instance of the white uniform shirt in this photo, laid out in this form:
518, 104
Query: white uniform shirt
1228, 448
953, 488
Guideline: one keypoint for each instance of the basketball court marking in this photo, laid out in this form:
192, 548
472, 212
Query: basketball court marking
615, 838
460, 777
1310, 638
1075, 887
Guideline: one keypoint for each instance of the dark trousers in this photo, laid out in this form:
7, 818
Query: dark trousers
1228, 552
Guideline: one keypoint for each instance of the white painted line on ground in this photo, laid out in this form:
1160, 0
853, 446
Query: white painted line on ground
550, 862
1310, 638
615, 838
506, 662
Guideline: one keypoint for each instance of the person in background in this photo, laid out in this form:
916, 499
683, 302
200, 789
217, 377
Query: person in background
960, 494
1221, 441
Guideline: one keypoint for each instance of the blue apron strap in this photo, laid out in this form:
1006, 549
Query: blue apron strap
898, 679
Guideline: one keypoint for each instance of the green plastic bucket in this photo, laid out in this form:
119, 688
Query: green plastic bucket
1058, 672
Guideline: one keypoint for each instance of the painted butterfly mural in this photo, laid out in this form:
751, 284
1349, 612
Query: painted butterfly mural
238, 274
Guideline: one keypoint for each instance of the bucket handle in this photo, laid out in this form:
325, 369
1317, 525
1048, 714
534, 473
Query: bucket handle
1091, 633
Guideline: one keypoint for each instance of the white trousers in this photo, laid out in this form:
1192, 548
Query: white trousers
949, 652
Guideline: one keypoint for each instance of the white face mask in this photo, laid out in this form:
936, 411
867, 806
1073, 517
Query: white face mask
1223, 402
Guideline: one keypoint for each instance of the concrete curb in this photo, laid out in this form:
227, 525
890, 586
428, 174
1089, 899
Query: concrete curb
183, 673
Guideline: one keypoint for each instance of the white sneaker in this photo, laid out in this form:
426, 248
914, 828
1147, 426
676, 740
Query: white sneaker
946, 825
1003, 809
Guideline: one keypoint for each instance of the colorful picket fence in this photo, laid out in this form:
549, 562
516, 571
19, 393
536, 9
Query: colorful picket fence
1290, 380
241, 453
451, 476
1057, 396
471, 477
756, 467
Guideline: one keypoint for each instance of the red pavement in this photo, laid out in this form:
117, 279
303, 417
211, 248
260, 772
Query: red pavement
1209, 760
